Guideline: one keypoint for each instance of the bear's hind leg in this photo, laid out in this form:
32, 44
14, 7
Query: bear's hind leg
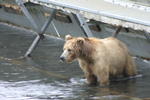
130, 68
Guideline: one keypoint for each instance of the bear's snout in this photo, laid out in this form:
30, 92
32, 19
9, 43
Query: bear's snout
62, 58
64, 55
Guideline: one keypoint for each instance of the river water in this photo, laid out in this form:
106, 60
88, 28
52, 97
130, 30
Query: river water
43, 77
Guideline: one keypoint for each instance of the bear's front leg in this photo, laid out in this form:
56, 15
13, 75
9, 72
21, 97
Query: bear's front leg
91, 79
104, 81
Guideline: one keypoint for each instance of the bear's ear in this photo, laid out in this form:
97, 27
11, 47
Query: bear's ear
68, 37
80, 41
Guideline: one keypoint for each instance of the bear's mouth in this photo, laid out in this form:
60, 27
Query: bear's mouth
62, 59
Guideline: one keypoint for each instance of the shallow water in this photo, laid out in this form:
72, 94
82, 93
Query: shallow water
43, 77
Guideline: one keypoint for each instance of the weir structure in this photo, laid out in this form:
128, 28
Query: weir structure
83, 11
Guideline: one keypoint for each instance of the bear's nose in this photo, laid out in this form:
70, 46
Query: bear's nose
62, 58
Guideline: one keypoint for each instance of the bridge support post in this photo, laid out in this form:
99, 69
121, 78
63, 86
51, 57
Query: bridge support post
84, 25
40, 34
26, 13
117, 31
147, 35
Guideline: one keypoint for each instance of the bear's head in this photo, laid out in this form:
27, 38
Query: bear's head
75, 47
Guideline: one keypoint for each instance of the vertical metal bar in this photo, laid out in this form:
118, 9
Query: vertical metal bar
127, 30
55, 29
40, 35
33, 45
84, 25
45, 26
117, 31
26, 12
147, 35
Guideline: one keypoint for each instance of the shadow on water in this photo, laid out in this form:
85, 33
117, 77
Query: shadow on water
43, 77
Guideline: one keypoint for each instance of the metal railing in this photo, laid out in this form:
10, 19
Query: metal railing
102, 13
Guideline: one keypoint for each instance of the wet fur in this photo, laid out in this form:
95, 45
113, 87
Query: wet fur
101, 59
85, 50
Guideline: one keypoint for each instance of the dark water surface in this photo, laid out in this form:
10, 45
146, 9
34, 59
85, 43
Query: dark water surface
43, 77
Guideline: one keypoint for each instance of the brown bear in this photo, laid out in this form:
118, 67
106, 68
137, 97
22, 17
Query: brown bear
100, 59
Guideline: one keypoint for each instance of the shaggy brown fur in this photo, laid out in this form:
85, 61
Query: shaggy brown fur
99, 59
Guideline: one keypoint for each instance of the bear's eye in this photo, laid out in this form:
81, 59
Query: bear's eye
69, 50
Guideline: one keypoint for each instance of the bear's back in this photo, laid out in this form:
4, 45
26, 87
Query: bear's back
117, 54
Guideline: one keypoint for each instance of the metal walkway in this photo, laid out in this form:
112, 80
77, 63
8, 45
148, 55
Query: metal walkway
98, 10
103, 11
41, 32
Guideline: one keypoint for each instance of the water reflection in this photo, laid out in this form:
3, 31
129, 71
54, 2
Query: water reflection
44, 77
